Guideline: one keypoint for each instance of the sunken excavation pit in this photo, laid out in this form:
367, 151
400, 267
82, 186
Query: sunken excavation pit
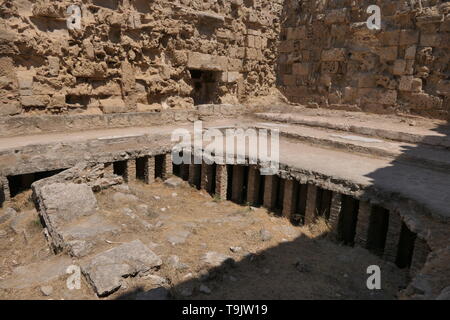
201, 231
91, 190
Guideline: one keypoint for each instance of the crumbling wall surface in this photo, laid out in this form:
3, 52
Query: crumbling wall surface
133, 55
330, 58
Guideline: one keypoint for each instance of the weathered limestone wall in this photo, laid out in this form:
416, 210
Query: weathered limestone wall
134, 55
328, 57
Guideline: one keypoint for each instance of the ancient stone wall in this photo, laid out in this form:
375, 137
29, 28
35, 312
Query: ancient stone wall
328, 57
134, 55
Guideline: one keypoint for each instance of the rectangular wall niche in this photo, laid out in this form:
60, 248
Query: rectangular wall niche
205, 84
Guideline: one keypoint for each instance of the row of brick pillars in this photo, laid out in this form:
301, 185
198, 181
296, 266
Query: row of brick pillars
351, 221
146, 168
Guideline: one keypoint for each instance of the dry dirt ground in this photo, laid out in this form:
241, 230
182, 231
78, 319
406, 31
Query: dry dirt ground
272, 258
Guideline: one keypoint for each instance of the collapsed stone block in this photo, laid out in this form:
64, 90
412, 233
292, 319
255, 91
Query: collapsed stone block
106, 271
62, 203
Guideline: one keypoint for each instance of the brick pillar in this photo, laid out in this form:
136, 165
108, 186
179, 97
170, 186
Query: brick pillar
207, 177
420, 254
167, 166
5, 194
149, 169
362, 226
237, 191
270, 191
130, 170
335, 211
290, 198
253, 185
221, 181
392, 237
311, 197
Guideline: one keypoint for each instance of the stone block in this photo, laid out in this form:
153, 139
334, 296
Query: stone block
335, 54
408, 37
41, 100
409, 83
53, 65
310, 211
202, 61
9, 108
62, 203
113, 105
106, 271
430, 40
330, 67
410, 53
301, 69
389, 53
389, 38
399, 67
250, 41
336, 16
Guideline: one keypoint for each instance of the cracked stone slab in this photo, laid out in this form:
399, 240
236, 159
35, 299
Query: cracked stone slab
106, 271
82, 236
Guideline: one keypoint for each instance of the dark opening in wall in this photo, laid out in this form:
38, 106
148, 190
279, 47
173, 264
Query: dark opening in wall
196, 175
260, 198
23, 182
2, 196
299, 217
405, 247
75, 99
378, 228
229, 181
348, 219
120, 168
140, 168
205, 85
280, 196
